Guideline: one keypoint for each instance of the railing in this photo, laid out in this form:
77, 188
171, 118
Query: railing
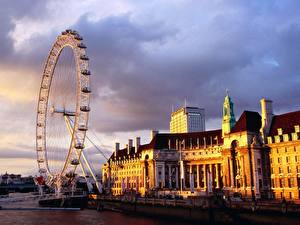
25, 198
208, 202
191, 202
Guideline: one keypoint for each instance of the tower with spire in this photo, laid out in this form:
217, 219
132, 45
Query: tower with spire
228, 115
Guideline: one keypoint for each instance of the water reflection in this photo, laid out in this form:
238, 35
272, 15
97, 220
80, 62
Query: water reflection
84, 217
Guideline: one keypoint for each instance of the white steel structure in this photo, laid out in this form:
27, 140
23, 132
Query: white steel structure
63, 110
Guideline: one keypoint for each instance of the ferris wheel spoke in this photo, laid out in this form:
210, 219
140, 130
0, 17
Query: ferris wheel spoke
81, 154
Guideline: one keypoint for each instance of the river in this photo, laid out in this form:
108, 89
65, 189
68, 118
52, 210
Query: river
83, 217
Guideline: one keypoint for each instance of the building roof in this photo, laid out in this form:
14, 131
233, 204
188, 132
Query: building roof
163, 140
286, 122
248, 121
186, 109
124, 153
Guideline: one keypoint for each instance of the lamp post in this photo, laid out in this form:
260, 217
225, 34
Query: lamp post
181, 171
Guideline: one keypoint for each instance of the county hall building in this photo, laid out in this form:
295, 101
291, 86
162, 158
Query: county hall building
257, 156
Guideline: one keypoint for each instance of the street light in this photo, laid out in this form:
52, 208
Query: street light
181, 169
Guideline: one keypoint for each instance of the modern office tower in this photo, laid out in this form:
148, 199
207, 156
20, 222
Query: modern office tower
187, 119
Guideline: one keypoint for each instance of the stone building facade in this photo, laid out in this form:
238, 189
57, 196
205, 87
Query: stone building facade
257, 156
284, 143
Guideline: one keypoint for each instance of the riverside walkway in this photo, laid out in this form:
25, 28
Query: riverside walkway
209, 209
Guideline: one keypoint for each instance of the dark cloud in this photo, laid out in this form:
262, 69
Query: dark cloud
120, 64
17, 153
11, 10
149, 58
238, 50
144, 65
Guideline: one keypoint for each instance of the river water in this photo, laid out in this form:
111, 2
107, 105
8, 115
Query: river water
83, 217
24, 216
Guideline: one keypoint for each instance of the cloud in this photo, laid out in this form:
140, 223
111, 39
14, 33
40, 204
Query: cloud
143, 68
13, 154
10, 12
22, 166
16, 89
149, 55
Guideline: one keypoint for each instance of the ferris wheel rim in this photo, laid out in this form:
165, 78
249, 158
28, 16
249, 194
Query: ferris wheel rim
74, 40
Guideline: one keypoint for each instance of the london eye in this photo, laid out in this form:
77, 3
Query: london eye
63, 110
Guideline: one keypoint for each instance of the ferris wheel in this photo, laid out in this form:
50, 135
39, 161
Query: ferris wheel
63, 110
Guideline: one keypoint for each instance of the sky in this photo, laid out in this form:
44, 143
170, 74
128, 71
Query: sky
147, 57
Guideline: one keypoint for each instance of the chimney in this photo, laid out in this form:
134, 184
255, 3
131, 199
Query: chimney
137, 143
129, 146
266, 116
117, 148
153, 133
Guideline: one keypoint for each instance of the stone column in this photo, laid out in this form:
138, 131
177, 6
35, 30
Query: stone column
204, 177
217, 176
155, 175
255, 152
190, 175
170, 176
231, 173
144, 177
198, 175
183, 180
176, 178
243, 172
163, 175
211, 176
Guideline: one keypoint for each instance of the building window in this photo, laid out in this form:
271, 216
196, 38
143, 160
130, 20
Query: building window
260, 183
280, 169
259, 171
273, 183
298, 182
272, 170
289, 183
298, 169
258, 161
245, 181
287, 159
279, 159
281, 182
289, 169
